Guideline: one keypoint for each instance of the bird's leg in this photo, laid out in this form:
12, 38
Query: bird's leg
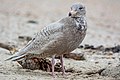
53, 64
61, 60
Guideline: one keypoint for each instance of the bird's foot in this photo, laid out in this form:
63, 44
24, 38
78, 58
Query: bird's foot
65, 75
53, 75
63, 72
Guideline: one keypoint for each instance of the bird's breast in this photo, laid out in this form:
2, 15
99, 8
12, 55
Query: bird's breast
73, 38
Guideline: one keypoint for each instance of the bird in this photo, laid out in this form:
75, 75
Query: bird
58, 38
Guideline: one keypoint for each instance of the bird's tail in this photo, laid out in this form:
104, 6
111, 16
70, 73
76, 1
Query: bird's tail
18, 56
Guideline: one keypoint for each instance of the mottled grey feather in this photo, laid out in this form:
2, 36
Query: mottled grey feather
57, 38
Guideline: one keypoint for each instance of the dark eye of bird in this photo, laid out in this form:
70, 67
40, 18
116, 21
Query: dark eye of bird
80, 8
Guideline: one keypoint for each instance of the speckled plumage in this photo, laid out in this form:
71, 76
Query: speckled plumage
57, 38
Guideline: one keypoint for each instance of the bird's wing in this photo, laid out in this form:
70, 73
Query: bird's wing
48, 34
41, 42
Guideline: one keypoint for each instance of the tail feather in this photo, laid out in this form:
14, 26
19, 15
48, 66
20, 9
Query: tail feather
17, 56
10, 58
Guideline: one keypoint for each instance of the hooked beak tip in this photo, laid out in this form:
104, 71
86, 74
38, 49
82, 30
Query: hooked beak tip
69, 14
72, 13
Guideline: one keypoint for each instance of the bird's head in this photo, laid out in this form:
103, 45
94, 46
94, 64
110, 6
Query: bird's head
77, 10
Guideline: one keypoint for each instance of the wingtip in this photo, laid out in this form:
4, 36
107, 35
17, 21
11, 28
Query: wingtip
6, 60
16, 58
10, 58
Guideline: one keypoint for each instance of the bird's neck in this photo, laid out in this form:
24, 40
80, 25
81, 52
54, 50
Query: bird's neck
80, 19
81, 22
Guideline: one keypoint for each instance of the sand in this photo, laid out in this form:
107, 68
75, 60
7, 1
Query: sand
103, 17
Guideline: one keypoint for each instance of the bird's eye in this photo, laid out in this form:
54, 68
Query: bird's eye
80, 8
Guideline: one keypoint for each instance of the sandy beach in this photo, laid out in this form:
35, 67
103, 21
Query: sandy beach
103, 17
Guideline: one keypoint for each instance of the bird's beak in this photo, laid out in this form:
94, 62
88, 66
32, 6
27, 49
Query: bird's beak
72, 13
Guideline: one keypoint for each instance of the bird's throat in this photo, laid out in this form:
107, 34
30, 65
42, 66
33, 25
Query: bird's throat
81, 23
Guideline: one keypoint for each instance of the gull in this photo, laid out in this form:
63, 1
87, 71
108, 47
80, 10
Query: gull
58, 38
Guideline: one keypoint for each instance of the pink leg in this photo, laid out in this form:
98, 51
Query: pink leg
61, 60
53, 64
